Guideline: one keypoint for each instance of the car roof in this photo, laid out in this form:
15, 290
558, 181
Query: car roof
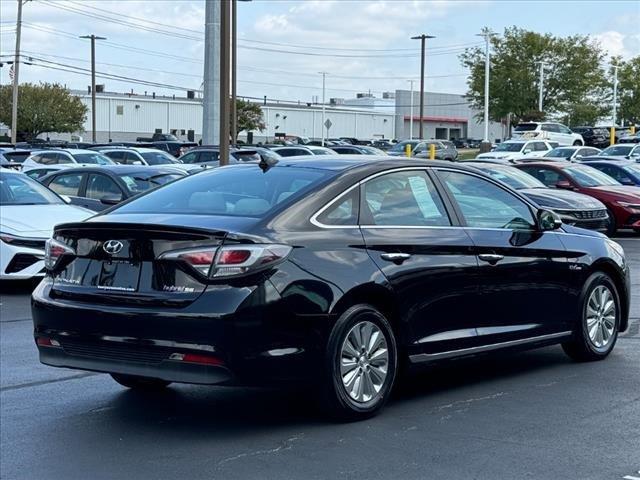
559, 165
149, 170
348, 162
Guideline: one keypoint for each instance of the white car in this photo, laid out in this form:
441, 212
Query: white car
144, 156
549, 131
512, 150
63, 156
28, 213
572, 154
629, 151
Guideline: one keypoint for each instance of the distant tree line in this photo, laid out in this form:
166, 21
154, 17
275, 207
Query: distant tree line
578, 82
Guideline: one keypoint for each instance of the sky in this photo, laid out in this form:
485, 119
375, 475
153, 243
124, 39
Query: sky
362, 45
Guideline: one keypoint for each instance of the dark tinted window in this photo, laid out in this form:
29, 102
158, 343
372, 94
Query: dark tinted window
92, 158
403, 199
66, 184
244, 191
158, 158
100, 186
191, 157
485, 205
117, 156
547, 176
17, 157
526, 127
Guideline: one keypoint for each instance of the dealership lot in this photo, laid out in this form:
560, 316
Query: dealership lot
534, 414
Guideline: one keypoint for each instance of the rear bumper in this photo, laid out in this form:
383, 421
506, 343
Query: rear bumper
252, 338
169, 370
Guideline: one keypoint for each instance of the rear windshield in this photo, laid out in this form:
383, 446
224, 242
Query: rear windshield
141, 183
508, 147
238, 191
560, 152
617, 150
17, 157
526, 127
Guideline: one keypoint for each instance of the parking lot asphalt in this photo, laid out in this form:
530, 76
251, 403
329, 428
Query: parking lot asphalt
529, 415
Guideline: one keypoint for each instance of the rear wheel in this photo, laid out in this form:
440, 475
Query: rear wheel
361, 364
596, 334
577, 143
140, 383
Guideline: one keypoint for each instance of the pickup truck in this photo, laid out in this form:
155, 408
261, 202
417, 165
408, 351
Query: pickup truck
159, 137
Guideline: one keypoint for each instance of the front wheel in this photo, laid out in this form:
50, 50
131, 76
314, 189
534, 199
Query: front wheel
577, 143
140, 383
596, 334
361, 364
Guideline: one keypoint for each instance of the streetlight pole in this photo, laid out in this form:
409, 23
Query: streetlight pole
93, 39
486, 34
324, 74
612, 135
422, 39
224, 81
234, 71
541, 92
16, 72
410, 113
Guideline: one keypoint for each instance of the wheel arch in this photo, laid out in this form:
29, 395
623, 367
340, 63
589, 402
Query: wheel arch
613, 271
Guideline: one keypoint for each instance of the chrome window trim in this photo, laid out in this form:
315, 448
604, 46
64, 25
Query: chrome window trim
427, 357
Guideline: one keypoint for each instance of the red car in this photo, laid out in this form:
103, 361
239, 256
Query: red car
622, 201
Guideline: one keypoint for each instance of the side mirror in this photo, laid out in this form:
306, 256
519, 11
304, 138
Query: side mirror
111, 199
526, 151
627, 181
548, 220
564, 184
137, 162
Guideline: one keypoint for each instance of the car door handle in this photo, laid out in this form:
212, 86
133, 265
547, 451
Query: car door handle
395, 257
490, 258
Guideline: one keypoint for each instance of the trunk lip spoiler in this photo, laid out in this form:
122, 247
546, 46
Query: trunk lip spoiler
63, 227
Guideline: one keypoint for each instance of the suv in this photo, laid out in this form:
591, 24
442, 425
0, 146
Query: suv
593, 136
65, 156
554, 132
512, 150
445, 150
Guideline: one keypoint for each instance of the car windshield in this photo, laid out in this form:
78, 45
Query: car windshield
17, 157
526, 127
617, 150
92, 158
509, 147
18, 189
399, 147
560, 152
141, 183
587, 176
158, 158
239, 191
513, 177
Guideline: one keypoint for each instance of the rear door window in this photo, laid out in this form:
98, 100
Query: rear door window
67, 184
101, 186
403, 199
547, 176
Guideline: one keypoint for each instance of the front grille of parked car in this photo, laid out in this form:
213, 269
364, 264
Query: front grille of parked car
21, 261
584, 214
115, 351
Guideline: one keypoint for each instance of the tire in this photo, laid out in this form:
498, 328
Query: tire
356, 395
140, 383
577, 143
596, 331
612, 228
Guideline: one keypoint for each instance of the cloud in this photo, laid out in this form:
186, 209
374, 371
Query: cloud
616, 43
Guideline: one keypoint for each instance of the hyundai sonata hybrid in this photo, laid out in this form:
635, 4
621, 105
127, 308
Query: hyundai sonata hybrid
326, 273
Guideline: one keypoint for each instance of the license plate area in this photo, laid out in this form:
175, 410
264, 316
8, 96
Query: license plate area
118, 275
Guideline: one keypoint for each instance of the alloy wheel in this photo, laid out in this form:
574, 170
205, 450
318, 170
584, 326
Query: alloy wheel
364, 361
601, 316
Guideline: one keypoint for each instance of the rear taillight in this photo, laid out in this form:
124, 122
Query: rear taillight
229, 261
54, 250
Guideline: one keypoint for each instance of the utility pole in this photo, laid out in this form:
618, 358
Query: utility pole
93, 39
612, 135
211, 80
16, 73
422, 39
224, 81
541, 93
324, 74
486, 34
410, 113
234, 71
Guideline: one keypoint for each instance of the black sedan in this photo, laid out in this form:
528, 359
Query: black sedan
98, 188
573, 208
329, 273
627, 173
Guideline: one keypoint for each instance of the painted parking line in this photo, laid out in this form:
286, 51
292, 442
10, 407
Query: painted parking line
632, 477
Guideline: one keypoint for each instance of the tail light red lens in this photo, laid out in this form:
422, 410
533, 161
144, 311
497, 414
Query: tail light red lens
47, 342
54, 251
196, 358
229, 261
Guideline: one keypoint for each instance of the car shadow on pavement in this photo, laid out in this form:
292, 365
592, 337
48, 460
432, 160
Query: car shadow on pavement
233, 410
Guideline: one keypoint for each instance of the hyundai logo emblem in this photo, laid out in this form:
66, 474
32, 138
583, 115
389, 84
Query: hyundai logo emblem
112, 247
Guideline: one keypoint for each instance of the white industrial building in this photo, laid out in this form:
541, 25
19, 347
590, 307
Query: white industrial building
125, 117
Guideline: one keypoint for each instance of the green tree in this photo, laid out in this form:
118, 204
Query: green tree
249, 117
47, 107
573, 74
629, 90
